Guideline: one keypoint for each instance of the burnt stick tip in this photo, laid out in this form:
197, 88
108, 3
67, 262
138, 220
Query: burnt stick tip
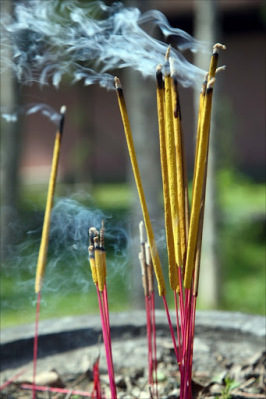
117, 83
210, 83
218, 46
159, 68
221, 68
167, 54
63, 110
62, 119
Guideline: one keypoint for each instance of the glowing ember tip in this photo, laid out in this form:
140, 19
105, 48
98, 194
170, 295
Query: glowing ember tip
63, 110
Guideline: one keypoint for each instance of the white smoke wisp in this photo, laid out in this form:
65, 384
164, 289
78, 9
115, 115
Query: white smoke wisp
67, 266
30, 109
86, 41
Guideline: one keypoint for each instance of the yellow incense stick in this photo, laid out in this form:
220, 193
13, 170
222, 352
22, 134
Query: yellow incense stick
99, 264
198, 184
49, 204
214, 59
133, 158
92, 264
171, 165
179, 167
201, 162
173, 278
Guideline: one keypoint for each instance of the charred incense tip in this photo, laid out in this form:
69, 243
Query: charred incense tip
62, 118
93, 232
167, 54
217, 47
63, 110
220, 69
102, 235
172, 66
117, 83
91, 251
96, 242
210, 84
159, 77
159, 68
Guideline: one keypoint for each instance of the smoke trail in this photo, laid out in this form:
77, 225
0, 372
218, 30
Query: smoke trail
84, 41
68, 266
30, 109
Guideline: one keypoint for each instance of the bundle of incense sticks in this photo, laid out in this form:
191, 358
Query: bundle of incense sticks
148, 288
97, 259
183, 228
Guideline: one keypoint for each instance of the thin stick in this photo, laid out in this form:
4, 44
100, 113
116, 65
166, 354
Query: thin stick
132, 153
178, 135
56, 390
165, 181
172, 175
198, 185
107, 347
49, 203
12, 379
35, 347
171, 327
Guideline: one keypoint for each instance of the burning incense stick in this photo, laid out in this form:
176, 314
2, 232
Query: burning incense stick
164, 170
97, 258
198, 184
179, 144
49, 203
132, 153
172, 172
200, 165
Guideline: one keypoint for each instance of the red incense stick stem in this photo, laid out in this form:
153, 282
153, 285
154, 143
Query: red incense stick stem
171, 327
56, 390
12, 379
107, 347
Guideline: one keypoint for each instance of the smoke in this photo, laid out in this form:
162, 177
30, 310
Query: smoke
54, 39
67, 270
29, 109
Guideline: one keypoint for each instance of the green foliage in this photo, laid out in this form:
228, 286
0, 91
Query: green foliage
230, 384
242, 252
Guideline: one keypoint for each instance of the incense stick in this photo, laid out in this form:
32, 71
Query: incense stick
49, 203
132, 154
164, 171
172, 173
178, 136
198, 185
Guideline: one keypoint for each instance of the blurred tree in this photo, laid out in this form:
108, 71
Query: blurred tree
206, 27
10, 151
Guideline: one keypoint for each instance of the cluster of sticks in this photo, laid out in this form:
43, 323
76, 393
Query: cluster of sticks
97, 259
183, 227
148, 288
